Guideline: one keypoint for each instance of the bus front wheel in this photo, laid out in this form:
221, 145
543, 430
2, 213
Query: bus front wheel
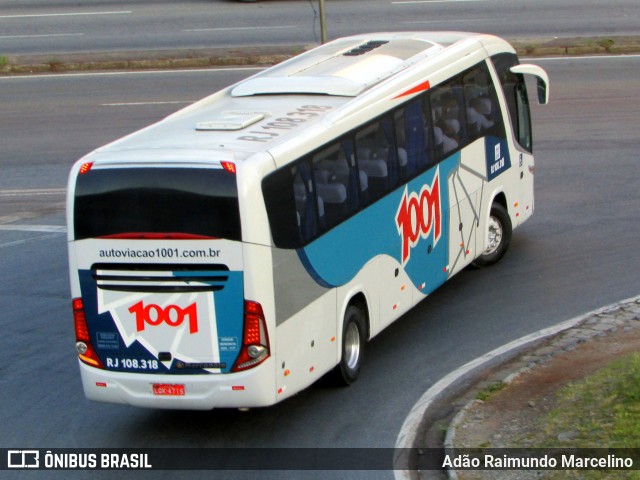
498, 233
353, 338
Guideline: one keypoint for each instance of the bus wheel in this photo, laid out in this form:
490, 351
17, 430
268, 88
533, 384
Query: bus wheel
498, 236
353, 338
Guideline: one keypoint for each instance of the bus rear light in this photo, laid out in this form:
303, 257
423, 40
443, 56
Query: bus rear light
229, 167
85, 167
80, 321
86, 353
255, 339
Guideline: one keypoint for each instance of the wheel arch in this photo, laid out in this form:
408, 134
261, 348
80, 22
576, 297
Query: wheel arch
498, 196
359, 299
501, 198
491, 256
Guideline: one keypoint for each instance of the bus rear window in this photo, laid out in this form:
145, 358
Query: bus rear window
190, 201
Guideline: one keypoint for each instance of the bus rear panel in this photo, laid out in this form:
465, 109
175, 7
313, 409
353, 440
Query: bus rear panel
161, 305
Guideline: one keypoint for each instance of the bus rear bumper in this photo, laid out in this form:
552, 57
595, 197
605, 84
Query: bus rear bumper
253, 388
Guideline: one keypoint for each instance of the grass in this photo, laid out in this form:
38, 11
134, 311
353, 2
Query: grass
600, 411
487, 392
55, 63
606, 43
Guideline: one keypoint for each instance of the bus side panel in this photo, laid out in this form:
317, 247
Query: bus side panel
305, 343
307, 346
425, 231
337, 256
485, 158
405, 237
463, 221
523, 204
394, 289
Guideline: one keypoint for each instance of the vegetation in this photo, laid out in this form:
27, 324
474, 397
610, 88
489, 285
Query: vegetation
601, 410
606, 43
487, 392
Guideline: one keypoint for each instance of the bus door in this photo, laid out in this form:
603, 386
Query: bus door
511, 76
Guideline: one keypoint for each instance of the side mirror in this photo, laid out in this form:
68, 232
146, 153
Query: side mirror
542, 79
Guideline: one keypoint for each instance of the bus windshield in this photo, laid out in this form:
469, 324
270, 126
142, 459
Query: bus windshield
188, 201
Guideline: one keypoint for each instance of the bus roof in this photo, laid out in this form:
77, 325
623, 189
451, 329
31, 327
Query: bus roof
266, 110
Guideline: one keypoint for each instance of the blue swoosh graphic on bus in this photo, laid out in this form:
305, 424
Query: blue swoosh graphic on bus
336, 257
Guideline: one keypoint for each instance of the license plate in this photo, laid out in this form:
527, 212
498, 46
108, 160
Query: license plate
168, 390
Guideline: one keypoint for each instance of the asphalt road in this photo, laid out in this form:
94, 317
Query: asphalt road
577, 253
68, 26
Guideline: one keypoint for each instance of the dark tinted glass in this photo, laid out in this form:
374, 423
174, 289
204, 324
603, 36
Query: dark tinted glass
193, 201
515, 92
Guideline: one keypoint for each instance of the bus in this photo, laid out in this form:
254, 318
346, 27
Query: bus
238, 250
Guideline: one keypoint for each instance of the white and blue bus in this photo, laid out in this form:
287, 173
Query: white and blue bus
240, 249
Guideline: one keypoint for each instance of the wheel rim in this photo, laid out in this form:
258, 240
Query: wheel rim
494, 237
352, 346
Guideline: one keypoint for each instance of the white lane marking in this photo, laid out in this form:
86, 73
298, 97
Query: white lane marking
433, 1
32, 192
132, 104
27, 240
70, 14
226, 29
5, 37
33, 228
418, 22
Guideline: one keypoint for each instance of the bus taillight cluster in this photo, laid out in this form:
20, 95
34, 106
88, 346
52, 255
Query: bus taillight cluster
86, 353
255, 339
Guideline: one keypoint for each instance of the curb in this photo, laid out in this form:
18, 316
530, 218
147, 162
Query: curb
270, 55
443, 395
577, 46
149, 59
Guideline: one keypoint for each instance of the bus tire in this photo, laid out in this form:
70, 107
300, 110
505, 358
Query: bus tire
353, 339
499, 230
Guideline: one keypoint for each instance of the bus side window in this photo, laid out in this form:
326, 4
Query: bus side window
309, 217
285, 195
415, 137
356, 180
479, 105
482, 109
524, 115
403, 159
372, 151
463, 110
515, 93
445, 113
296, 213
331, 172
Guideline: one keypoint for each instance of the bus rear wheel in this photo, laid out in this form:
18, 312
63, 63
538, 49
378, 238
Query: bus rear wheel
498, 233
353, 338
